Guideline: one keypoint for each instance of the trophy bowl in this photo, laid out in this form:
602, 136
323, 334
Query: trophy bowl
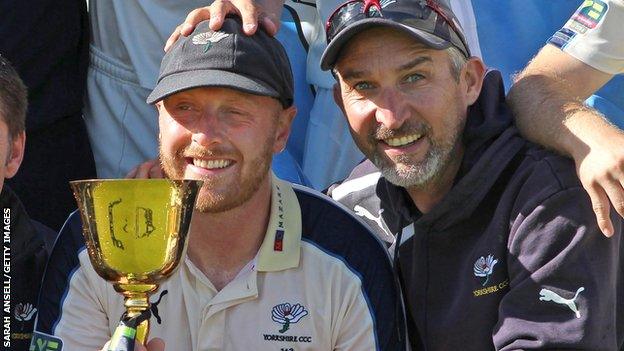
135, 231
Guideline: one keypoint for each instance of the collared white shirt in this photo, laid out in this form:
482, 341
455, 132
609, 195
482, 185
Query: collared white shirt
296, 294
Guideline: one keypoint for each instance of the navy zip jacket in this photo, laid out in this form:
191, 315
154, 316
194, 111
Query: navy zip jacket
511, 258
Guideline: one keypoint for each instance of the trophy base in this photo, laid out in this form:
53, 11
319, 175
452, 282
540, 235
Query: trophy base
137, 302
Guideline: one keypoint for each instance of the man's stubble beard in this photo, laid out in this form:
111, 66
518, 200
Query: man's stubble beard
401, 171
420, 174
207, 202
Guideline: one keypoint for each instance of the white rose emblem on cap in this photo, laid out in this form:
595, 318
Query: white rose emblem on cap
208, 38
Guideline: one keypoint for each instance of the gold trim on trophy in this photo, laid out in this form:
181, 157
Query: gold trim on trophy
135, 232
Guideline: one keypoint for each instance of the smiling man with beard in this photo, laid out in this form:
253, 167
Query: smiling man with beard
494, 238
269, 266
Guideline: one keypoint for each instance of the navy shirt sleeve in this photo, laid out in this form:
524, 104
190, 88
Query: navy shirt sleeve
63, 263
565, 279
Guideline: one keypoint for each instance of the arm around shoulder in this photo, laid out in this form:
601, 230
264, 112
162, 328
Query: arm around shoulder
546, 101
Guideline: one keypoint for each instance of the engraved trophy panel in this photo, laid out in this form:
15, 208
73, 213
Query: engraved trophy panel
135, 232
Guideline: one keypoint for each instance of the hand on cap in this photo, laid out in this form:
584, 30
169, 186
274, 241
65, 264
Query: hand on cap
146, 170
250, 11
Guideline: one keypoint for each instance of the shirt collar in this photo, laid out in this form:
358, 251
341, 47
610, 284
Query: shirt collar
280, 249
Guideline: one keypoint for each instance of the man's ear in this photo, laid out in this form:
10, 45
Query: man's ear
473, 74
159, 106
283, 128
14, 159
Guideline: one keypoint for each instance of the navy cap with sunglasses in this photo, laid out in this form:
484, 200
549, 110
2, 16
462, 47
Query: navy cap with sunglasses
430, 22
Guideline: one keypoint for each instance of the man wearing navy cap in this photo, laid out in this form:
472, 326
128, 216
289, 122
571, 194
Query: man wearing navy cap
270, 266
494, 238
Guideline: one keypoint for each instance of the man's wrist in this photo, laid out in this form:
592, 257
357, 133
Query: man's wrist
585, 127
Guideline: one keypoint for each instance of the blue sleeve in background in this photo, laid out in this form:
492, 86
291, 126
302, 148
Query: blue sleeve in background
287, 164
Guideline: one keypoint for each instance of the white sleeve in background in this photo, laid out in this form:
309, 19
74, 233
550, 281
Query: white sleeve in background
466, 17
84, 322
595, 35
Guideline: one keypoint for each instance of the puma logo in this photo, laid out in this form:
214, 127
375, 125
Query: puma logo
154, 306
362, 212
547, 295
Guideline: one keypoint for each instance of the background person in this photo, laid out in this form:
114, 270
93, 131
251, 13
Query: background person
29, 241
52, 60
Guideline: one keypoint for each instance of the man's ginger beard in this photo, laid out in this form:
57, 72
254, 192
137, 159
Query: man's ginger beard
236, 194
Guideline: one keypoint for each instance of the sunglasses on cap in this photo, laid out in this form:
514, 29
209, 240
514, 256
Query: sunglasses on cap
356, 10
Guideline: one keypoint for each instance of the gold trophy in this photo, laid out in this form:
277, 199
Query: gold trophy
135, 232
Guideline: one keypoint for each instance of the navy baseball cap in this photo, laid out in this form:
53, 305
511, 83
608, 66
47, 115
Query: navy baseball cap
226, 58
430, 22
